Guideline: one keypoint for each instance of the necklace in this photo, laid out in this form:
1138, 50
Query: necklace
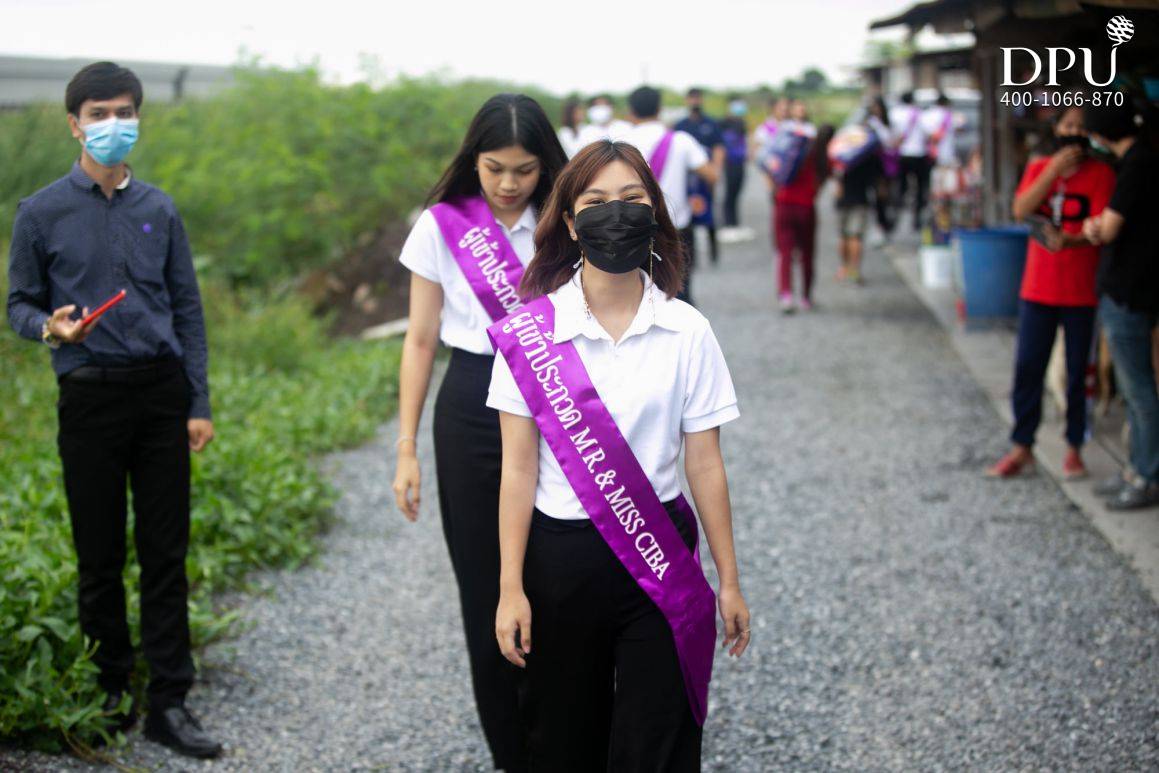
588, 309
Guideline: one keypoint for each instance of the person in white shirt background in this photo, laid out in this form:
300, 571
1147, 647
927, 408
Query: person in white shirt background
913, 143
685, 156
604, 688
572, 113
510, 156
602, 122
940, 124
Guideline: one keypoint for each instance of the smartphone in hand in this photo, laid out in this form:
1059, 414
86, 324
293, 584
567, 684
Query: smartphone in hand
110, 303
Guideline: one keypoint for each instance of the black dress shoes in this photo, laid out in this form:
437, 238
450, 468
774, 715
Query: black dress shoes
176, 728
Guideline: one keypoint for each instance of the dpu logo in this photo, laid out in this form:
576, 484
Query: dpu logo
1119, 30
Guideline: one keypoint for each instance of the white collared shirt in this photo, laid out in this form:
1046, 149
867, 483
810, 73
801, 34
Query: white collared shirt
939, 120
909, 131
464, 320
684, 155
663, 379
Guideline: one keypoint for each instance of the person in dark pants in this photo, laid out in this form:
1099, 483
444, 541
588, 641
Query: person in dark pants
505, 166
912, 140
134, 396
1129, 294
604, 687
706, 130
1058, 288
734, 132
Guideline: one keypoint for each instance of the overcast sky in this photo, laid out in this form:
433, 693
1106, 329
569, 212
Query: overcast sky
563, 46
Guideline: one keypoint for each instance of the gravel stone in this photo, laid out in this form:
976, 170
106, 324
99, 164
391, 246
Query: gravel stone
908, 613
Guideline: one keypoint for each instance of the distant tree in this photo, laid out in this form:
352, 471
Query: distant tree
812, 79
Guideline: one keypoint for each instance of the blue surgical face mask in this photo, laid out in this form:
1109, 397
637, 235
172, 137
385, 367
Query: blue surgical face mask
110, 140
738, 108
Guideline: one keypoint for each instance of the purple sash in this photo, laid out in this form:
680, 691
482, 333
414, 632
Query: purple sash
659, 157
483, 253
610, 483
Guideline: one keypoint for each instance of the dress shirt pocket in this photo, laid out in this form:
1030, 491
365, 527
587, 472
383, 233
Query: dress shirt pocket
147, 243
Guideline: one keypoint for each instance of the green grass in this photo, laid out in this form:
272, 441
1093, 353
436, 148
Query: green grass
283, 393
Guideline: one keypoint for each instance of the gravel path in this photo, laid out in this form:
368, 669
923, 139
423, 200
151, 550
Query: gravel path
909, 615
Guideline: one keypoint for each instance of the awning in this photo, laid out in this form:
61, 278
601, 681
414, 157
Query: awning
963, 15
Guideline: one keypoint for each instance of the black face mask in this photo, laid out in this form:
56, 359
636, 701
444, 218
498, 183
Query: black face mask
616, 237
1073, 139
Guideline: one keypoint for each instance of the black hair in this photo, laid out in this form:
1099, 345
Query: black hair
644, 102
597, 97
879, 103
907, 98
733, 96
942, 100
695, 91
1110, 120
102, 80
503, 120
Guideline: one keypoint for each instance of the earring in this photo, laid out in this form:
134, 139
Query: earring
579, 262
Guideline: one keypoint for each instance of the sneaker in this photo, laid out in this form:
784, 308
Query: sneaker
1135, 495
806, 304
1012, 465
787, 306
1110, 486
1072, 465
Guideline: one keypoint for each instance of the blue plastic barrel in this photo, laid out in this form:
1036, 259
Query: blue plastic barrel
992, 264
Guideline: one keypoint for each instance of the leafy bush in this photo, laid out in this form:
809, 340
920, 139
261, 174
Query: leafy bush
282, 393
280, 173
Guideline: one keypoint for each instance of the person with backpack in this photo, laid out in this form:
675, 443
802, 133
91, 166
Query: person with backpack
796, 177
856, 179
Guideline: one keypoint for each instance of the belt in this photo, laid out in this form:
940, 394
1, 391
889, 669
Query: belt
143, 373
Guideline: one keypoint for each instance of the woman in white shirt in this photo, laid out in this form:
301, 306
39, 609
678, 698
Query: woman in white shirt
569, 125
611, 682
466, 255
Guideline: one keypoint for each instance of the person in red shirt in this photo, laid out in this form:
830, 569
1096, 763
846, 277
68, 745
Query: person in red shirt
1057, 193
795, 220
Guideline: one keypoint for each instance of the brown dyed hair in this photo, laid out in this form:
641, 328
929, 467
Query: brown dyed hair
556, 252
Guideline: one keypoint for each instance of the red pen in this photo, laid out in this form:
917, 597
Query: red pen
110, 303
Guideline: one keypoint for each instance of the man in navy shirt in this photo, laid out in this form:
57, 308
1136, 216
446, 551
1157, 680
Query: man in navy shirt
134, 396
707, 132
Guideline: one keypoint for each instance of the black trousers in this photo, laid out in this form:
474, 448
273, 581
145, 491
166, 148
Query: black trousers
919, 168
114, 433
1037, 327
603, 688
468, 456
688, 238
733, 181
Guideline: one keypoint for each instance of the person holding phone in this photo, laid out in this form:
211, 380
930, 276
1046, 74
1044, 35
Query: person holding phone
1058, 288
134, 395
